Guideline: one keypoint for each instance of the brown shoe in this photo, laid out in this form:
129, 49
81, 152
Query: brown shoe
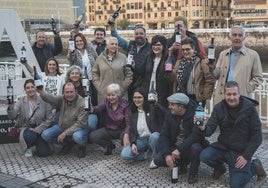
260, 170
218, 172
192, 178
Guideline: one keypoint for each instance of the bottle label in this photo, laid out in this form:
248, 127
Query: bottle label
211, 53
175, 173
9, 91
151, 97
23, 54
200, 115
129, 59
178, 38
86, 102
38, 82
168, 67
71, 45
84, 82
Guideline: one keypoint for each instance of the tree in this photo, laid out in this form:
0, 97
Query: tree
123, 23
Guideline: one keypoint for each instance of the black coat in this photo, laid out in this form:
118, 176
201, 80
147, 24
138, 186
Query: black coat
163, 86
170, 130
152, 120
244, 135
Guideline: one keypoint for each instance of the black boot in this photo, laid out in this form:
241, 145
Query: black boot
82, 152
67, 147
110, 148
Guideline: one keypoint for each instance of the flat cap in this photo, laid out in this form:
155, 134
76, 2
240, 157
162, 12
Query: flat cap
179, 98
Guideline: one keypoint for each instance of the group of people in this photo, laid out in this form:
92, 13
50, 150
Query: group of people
120, 108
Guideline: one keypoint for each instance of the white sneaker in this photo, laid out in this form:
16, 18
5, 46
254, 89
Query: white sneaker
153, 165
28, 153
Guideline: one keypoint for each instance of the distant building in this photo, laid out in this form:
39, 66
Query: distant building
158, 14
36, 14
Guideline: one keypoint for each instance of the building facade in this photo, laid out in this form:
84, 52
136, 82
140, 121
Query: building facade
37, 13
156, 14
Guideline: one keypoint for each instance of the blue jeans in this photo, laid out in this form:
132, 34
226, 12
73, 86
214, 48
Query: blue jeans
143, 143
92, 122
34, 139
215, 158
51, 134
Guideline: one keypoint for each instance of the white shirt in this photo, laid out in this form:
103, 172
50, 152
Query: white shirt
142, 127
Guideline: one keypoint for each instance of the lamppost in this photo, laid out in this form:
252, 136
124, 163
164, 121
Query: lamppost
75, 7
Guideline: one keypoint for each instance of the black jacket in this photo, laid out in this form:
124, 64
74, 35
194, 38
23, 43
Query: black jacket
163, 86
170, 130
152, 120
243, 135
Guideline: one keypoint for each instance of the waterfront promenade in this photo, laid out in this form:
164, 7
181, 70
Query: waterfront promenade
98, 170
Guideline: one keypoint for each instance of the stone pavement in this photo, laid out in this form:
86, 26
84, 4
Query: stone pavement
98, 170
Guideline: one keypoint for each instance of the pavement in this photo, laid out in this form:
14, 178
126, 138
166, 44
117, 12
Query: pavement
98, 170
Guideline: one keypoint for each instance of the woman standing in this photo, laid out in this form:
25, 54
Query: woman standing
32, 116
144, 131
116, 110
155, 70
191, 74
110, 67
84, 56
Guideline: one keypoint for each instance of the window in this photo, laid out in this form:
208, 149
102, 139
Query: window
140, 16
169, 14
155, 15
169, 3
162, 14
149, 15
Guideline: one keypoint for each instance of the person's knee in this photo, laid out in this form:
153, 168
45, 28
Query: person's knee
154, 138
196, 148
204, 155
126, 153
45, 135
92, 122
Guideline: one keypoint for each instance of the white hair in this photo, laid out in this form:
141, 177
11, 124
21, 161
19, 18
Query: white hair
115, 87
237, 27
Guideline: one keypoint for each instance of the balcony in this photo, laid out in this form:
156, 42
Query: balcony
116, 1
110, 11
104, 3
162, 9
98, 12
148, 9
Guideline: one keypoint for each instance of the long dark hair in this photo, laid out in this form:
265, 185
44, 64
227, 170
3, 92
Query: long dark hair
146, 104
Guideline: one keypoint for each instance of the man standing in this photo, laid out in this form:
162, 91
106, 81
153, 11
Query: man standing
72, 121
239, 64
179, 138
43, 50
240, 136
99, 43
141, 48
181, 26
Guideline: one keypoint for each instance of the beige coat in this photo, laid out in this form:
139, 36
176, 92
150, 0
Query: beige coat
203, 79
247, 72
105, 73
20, 111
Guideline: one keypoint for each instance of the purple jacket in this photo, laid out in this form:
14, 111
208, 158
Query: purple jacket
117, 119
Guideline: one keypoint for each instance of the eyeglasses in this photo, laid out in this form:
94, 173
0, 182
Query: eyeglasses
157, 45
186, 49
137, 97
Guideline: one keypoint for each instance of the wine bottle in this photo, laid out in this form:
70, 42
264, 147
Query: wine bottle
211, 52
130, 56
85, 78
53, 25
175, 172
151, 93
199, 114
111, 20
178, 36
71, 44
10, 93
87, 99
37, 80
168, 63
23, 53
